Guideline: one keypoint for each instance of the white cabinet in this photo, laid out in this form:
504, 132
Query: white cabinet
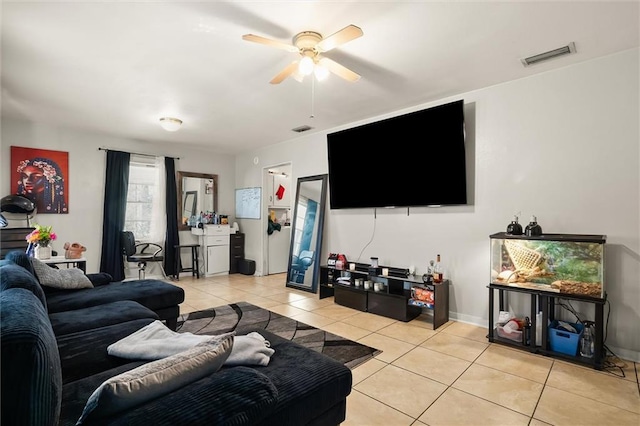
274, 183
214, 246
217, 259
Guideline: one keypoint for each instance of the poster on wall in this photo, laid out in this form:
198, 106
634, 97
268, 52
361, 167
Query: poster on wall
42, 176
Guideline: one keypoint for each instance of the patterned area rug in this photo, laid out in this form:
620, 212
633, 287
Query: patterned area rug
243, 315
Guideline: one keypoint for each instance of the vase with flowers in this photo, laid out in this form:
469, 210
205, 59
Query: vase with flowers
39, 242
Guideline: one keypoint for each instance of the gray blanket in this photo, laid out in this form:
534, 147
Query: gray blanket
156, 341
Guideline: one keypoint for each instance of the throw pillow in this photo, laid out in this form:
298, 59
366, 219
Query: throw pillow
156, 378
67, 278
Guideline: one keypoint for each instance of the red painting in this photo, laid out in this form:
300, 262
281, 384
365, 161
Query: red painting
42, 176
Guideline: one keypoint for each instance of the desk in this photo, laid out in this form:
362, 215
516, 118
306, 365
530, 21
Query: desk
80, 263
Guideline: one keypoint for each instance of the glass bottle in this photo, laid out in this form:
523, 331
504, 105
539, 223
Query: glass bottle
533, 229
428, 275
586, 342
437, 270
514, 228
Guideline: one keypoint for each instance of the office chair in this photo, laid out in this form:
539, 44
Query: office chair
141, 253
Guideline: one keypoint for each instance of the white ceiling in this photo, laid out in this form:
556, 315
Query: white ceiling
116, 67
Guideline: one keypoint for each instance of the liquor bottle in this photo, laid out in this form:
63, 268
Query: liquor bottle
514, 228
533, 229
437, 271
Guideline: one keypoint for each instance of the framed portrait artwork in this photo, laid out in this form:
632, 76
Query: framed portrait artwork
42, 176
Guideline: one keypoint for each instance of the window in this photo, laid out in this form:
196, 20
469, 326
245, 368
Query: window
145, 202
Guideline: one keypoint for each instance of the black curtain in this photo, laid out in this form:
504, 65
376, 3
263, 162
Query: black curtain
115, 207
172, 239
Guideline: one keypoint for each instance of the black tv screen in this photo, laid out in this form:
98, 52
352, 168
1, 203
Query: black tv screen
421, 161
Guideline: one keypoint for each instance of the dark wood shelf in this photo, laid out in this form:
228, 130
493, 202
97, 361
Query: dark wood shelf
392, 302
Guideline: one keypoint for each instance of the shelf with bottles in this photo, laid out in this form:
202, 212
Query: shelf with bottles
540, 341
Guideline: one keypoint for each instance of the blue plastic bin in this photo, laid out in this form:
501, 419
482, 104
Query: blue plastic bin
563, 341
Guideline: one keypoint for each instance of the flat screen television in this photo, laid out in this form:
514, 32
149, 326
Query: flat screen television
421, 161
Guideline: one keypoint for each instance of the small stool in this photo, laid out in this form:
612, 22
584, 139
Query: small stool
195, 267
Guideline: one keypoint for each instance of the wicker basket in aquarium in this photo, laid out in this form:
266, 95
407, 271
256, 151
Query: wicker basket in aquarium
522, 257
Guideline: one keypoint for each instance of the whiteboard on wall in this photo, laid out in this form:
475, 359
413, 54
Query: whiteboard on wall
248, 203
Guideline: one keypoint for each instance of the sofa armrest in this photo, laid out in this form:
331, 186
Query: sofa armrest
100, 278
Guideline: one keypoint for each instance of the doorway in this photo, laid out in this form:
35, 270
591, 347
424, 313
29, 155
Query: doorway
276, 220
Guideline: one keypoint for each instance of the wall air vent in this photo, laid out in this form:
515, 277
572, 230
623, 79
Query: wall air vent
302, 129
561, 51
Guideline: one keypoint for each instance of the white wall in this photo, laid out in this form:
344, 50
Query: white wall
85, 182
562, 145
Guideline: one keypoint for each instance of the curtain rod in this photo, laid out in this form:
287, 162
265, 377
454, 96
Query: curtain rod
136, 153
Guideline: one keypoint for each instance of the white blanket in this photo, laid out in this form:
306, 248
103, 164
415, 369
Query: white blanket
156, 341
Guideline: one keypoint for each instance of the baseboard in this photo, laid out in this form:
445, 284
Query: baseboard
468, 319
625, 354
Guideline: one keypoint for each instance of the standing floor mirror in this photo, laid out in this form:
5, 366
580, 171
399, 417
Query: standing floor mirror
306, 233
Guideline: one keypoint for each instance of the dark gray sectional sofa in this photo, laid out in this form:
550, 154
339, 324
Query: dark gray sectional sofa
53, 352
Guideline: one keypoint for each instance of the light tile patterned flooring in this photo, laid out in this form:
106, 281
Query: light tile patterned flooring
450, 376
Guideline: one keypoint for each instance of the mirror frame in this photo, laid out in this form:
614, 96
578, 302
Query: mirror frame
319, 233
181, 174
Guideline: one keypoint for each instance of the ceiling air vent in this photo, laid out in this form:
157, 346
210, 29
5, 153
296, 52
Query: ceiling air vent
564, 50
302, 129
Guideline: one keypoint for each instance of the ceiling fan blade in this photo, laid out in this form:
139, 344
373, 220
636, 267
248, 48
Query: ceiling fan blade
346, 34
270, 42
289, 69
339, 70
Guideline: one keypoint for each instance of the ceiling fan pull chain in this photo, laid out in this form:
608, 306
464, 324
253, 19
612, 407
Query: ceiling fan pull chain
313, 95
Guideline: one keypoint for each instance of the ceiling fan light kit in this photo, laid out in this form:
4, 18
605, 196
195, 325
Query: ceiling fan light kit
170, 124
309, 45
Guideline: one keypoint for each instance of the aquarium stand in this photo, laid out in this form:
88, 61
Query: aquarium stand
546, 302
545, 268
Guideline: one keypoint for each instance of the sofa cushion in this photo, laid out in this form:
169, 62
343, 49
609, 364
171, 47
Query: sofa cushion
69, 278
156, 378
76, 393
31, 386
308, 382
154, 294
231, 397
98, 316
84, 353
15, 276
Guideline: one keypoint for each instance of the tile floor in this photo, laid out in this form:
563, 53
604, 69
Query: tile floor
450, 376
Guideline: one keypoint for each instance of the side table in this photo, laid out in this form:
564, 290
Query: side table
80, 263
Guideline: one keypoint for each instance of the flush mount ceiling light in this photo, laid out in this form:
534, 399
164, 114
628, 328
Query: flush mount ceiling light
170, 124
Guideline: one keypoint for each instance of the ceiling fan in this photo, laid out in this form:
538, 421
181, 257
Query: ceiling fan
310, 45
